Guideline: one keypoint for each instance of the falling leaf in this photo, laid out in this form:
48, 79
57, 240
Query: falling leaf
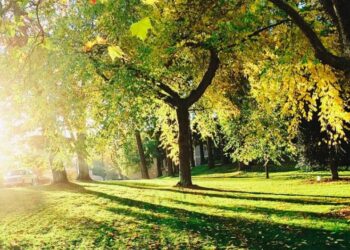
140, 29
115, 52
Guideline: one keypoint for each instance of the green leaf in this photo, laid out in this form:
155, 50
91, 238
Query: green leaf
140, 29
115, 52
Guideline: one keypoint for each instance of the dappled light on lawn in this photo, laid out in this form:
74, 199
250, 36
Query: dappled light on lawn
234, 211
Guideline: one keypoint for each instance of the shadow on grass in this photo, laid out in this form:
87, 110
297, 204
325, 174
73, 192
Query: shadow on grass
265, 211
221, 231
244, 195
216, 230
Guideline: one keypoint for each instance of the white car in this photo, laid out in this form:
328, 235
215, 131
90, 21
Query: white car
20, 177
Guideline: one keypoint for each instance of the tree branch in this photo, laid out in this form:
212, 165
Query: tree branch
207, 79
171, 97
42, 32
256, 33
321, 53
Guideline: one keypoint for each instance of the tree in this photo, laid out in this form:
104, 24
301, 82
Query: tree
143, 164
338, 12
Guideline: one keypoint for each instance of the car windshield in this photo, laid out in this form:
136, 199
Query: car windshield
16, 172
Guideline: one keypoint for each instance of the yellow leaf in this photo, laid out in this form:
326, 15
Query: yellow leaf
100, 40
115, 52
89, 45
150, 2
140, 29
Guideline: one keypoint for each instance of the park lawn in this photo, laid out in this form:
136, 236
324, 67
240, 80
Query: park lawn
237, 210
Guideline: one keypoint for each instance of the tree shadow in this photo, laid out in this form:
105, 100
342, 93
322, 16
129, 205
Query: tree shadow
265, 211
222, 231
245, 195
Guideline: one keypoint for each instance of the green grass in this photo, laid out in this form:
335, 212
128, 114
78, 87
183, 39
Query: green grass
238, 210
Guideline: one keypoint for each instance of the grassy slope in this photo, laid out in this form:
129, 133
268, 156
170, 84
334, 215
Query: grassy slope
244, 210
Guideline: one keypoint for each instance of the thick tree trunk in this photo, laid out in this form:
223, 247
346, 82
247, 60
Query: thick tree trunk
210, 153
334, 170
59, 176
83, 169
201, 153
82, 165
184, 146
143, 164
193, 162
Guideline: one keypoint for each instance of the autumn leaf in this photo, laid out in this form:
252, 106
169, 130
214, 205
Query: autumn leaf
140, 29
150, 2
89, 45
115, 52
100, 40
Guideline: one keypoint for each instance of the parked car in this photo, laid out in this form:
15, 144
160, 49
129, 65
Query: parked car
20, 177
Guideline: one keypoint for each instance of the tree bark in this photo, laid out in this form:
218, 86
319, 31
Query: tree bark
193, 162
169, 164
184, 146
176, 168
160, 156
240, 166
59, 176
267, 170
341, 11
143, 164
211, 163
201, 153
82, 165
334, 170
159, 165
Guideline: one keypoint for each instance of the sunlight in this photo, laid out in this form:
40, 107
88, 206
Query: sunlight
4, 157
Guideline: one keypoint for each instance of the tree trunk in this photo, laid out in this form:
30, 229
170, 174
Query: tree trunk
267, 171
176, 168
143, 164
159, 165
342, 10
83, 169
59, 176
193, 162
210, 153
82, 165
169, 164
334, 170
201, 152
184, 146
240, 166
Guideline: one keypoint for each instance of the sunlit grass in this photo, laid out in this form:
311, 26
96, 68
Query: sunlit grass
238, 210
